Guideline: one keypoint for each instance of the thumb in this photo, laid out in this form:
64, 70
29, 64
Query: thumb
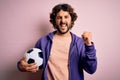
24, 59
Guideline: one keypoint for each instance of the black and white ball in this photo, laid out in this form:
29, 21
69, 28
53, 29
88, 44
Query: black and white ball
34, 55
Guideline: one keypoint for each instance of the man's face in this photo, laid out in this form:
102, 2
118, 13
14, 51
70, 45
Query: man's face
63, 21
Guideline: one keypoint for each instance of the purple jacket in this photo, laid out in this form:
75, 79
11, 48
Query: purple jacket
81, 56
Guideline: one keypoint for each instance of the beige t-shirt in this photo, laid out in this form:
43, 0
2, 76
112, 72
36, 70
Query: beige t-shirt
58, 60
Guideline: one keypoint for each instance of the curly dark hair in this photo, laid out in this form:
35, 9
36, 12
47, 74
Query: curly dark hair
64, 7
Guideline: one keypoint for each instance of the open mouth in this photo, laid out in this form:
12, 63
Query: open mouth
63, 28
63, 25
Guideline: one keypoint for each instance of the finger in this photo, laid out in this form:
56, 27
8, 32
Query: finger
27, 66
84, 37
24, 58
35, 69
31, 64
32, 68
87, 34
23, 61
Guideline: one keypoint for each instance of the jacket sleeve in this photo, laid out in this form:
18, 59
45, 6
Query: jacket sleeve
38, 44
89, 59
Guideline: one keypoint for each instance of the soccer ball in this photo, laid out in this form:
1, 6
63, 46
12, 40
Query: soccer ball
34, 55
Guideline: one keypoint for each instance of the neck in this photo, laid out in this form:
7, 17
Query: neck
63, 35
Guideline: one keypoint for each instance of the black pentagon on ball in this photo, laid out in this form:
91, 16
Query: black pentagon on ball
41, 66
29, 51
30, 61
40, 54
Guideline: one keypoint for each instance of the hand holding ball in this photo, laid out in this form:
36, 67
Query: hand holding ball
34, 55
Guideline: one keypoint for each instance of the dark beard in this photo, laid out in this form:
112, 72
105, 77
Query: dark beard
68, 28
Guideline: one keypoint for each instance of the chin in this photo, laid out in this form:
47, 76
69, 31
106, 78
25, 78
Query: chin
63, 32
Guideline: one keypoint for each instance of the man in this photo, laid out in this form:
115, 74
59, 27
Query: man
65, 54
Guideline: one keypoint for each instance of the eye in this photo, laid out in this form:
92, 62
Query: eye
66, 17
58, 17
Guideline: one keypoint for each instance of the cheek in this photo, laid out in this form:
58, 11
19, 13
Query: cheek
70, 22
57, 22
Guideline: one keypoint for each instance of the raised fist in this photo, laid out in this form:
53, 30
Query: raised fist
87, 37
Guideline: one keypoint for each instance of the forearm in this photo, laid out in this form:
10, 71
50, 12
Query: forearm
90, 60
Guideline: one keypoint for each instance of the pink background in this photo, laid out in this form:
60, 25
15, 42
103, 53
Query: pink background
23, 22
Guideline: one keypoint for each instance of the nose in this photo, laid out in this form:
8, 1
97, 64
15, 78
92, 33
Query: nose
63, 20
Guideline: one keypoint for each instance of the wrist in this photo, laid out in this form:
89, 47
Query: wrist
89, 43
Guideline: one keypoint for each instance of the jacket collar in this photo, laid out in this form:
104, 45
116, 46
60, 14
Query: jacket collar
74, 37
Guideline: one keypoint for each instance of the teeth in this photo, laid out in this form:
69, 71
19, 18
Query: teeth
63, 24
